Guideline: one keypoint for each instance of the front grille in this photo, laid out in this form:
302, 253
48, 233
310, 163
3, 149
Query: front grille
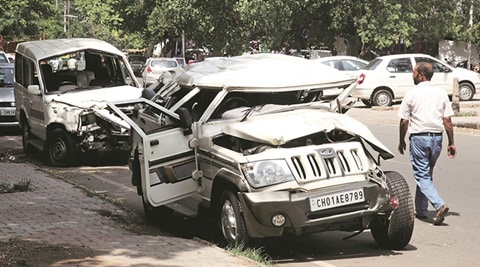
8, 104
334, 160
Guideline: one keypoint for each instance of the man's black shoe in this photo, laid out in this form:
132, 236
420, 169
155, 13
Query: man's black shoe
421, 217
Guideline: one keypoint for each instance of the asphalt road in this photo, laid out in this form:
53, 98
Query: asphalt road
455, 242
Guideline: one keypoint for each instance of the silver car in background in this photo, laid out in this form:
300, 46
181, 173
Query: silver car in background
154, 67
7, 97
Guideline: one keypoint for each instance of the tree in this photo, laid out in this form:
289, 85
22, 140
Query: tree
29, 19
97, 19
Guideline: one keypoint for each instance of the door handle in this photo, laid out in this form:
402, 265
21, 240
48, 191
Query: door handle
393, 76
154, 143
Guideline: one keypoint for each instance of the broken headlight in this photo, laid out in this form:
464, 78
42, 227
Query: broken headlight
264, 173
88, 118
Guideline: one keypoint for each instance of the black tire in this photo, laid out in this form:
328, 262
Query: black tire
61, 149
366, 102
465, 92
231, 221
396, 232
382, 97
26, 135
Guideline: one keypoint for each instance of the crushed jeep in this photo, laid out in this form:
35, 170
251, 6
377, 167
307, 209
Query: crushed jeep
249, 140
62, 87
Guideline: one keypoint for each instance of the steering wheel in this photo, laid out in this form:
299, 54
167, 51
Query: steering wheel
67, 82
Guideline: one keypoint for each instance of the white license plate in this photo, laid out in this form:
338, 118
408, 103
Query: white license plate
7, 112
336, 200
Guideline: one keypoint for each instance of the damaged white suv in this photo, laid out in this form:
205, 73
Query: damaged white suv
62, 87
247, 139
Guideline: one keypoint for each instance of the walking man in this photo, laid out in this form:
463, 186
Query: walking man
426, 111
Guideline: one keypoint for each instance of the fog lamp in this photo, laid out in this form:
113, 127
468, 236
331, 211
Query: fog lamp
278, 220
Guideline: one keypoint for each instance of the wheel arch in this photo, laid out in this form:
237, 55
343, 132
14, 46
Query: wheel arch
224, 182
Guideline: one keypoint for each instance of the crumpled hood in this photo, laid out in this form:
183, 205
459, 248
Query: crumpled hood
97, 97
279, 128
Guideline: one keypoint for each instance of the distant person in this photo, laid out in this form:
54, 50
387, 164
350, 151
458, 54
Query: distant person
334, 51
426, 110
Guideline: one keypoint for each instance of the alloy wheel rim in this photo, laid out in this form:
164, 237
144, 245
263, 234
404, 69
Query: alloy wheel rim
229, 221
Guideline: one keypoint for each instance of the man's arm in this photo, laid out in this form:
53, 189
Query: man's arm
451, 149
403, 132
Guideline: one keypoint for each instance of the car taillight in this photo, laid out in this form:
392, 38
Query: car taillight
149, 70
361, 78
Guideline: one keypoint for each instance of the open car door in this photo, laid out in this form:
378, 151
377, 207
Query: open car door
165, 158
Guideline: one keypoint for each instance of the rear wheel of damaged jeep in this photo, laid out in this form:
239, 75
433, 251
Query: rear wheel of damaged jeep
231, 220
26, 134
396, 232
61, 149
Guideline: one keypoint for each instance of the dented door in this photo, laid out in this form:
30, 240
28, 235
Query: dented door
167, 166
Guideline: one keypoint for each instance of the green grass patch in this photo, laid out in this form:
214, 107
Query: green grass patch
255, 254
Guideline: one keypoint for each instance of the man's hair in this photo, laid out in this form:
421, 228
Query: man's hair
425, 68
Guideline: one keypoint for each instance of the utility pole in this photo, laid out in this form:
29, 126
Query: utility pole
469, 43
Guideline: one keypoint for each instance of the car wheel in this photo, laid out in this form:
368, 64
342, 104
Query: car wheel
61, 149
231, 220
465, 92
382, 97
394, 231
366, 102
26, 135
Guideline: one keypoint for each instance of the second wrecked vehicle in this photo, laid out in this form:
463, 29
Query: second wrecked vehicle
62, 87
247, 139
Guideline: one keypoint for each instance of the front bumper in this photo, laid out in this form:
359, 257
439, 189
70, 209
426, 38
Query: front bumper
260, 207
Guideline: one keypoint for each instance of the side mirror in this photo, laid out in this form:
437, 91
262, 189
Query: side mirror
34, 90
185, 119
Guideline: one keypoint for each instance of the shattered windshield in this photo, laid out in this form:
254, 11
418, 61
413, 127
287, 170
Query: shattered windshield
84, 70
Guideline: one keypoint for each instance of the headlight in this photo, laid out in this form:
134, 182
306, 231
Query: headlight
263, 173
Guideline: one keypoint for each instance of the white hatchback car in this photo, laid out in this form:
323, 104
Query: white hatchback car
154, 67
387, 78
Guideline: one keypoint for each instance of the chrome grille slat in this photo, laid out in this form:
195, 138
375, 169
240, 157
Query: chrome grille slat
344, 159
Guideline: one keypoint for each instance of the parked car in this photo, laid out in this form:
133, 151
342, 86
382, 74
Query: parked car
7, 97
247, 140
347, 64
62, 108
387, 78
137, 62
4, 57
154, 67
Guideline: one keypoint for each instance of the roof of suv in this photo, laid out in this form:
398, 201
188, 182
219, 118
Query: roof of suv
41, 49
266, 72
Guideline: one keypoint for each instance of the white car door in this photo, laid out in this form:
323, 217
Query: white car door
443, 74
166, 159
400, 76
167, 164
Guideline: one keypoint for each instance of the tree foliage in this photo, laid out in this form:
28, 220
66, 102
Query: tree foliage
227, 26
